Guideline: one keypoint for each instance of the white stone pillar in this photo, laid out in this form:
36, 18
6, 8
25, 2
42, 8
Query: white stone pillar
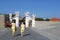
10, 17
33, 20
27, 19
17, 19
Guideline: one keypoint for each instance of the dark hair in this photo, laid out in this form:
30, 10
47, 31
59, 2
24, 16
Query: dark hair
14, 21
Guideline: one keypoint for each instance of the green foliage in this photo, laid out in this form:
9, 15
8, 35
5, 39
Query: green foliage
47, 19
41, 19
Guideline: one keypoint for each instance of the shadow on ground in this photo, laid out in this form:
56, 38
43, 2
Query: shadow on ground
20, 35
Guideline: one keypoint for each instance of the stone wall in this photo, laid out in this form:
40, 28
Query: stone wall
2, 23
44, 23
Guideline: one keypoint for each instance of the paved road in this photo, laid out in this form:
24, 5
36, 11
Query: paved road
52, 31
3, 31
29, 35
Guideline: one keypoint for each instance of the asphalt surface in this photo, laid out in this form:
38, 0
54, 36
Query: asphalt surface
28, 35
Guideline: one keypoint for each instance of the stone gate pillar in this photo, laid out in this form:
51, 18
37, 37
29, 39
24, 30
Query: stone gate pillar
27, 19
10, 17
17, 19
33, 20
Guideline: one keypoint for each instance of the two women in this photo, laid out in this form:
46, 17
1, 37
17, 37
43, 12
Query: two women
22, 28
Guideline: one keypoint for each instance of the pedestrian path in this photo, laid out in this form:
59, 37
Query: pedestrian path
29, 35
52, 33
3, 31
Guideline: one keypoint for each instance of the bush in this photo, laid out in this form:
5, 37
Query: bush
41, 19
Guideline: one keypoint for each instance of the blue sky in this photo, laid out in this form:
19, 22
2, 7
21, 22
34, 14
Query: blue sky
42, 8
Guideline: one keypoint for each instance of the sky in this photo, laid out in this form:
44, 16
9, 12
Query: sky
41, 8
